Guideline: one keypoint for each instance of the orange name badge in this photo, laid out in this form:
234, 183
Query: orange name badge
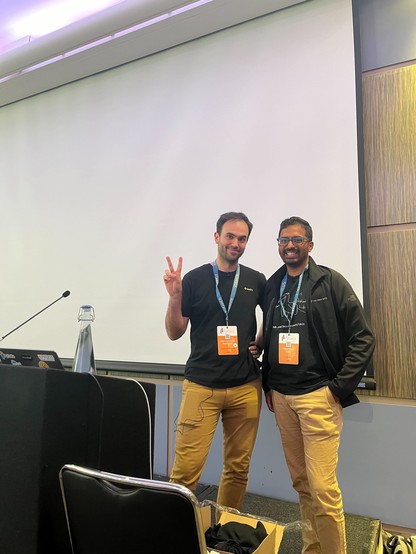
227, 339
289, 348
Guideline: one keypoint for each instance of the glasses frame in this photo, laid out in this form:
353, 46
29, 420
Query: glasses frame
296, 241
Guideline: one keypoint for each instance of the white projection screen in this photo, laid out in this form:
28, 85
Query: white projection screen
104, 177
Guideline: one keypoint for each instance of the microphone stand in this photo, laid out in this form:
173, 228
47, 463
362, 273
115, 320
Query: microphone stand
64, 295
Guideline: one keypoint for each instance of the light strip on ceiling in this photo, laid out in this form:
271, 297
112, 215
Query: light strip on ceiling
125, 32
50, 17
102, 40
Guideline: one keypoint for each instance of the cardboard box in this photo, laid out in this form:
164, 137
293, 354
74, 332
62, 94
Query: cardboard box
271, 543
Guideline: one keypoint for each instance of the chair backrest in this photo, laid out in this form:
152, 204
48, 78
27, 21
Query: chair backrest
108, 513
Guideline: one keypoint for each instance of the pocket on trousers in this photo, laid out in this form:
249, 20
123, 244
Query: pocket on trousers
330, 397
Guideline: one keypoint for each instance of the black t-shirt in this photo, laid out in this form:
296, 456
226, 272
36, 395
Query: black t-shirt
309, 374
199, 302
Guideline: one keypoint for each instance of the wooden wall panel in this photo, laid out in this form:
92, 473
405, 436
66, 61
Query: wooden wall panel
389, 103
392, 273
389, 118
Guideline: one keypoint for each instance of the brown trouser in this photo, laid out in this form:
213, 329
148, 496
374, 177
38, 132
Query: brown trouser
310, 426
198, 417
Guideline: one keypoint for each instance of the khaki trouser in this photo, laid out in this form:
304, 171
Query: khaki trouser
310, 426
199, 413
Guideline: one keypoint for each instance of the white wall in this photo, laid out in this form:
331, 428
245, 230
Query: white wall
387, 32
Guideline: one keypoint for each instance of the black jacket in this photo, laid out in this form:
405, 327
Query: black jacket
337, 320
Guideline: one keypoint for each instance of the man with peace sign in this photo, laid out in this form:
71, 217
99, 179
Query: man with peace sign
219, 300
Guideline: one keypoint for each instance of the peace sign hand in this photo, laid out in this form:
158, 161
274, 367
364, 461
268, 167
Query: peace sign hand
172, 278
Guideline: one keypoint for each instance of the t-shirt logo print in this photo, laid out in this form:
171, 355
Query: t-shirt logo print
286, 305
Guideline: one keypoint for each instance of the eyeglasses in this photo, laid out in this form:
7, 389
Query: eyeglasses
283, 241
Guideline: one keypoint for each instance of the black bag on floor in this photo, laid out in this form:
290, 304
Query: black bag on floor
235, 537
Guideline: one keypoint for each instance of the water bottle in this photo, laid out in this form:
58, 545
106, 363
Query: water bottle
84, 361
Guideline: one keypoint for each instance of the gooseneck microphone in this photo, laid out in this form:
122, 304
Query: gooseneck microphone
63, 295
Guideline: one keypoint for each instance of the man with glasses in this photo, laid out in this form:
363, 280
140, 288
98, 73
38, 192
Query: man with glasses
317, 345
219, 300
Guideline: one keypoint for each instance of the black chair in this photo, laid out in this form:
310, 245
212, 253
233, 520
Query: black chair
108, 513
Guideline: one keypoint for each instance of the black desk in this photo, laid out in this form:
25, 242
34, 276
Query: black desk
49, 418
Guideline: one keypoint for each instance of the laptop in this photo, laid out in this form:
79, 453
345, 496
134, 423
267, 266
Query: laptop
46, 359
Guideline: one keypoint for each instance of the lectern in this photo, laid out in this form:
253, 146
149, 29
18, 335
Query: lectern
49, 418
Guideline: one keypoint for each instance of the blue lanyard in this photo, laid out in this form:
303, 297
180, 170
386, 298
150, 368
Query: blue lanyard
295, 300
233, 290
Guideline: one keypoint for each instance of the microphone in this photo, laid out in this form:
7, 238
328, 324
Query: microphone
63, 295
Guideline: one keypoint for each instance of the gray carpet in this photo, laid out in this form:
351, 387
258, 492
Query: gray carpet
362, 532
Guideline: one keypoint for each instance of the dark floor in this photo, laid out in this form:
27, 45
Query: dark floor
362, 532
